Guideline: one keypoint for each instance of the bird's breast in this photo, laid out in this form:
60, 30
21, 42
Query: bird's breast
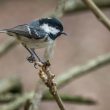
35, 43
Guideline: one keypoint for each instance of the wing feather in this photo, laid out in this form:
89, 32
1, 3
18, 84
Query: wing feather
31, 30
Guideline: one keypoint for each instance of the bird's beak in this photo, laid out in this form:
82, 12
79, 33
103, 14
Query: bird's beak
64, 33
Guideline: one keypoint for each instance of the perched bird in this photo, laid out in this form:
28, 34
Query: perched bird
40, 33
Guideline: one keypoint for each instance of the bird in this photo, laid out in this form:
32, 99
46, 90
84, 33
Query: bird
39, 33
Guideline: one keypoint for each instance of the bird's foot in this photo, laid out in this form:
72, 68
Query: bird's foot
46, 63
31, 59
43, 64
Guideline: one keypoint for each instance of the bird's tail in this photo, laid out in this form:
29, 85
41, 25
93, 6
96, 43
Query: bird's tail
3, 31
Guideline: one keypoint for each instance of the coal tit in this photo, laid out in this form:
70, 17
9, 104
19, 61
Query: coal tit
40, 33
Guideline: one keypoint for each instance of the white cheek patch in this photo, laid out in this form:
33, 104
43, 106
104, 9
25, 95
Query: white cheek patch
49, 29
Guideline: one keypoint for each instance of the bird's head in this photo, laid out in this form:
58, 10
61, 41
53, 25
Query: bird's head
52, 26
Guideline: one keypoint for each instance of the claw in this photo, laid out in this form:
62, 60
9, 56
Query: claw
46, 64
35, 65
31, 59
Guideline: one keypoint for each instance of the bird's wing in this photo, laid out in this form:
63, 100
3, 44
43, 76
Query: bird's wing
36, 30
20, 30
28, 31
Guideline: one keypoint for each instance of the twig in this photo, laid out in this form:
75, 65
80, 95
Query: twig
59, 11
77, 5
67, 77
37, 97
72, 99
70, 6
98, 13
10, 85
17, 101
6, 98
79, 71
48, 78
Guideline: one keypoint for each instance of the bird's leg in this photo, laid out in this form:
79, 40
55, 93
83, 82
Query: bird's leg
46, 63
31, 58
34, 56
33, 51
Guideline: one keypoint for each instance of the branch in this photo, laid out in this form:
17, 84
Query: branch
66, 77
48, 79
10, 85
78, 5
8, 97
72, 99
69, 6
98, 13
37, 97
17, 101
80, 71
59, 11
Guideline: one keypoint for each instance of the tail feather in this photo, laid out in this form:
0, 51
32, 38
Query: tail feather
3, 31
